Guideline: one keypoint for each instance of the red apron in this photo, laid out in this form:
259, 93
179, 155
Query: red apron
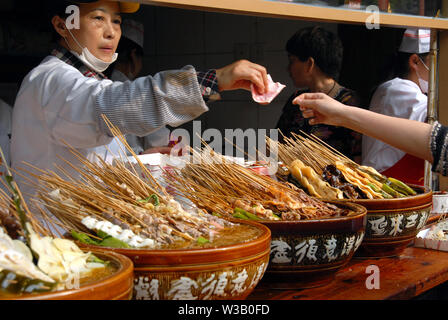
408, 169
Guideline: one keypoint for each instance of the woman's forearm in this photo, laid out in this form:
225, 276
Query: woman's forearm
408, 135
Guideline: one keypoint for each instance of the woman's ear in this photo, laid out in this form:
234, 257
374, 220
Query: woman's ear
59, 25
413, 62
310, 65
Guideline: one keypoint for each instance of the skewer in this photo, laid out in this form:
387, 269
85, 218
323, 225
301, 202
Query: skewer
209, 184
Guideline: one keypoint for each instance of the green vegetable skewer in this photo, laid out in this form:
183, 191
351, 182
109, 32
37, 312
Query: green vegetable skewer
386, 188
402, 187
249, 215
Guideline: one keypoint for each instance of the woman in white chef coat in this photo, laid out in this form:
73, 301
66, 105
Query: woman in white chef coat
405, 97
127, 67
63, 98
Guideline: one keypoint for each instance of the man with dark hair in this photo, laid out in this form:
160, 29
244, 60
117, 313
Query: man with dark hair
324, 47
315, 59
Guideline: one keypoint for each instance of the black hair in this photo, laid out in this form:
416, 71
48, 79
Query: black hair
401, 64
57, 8
397, 65
323, 46
125, 47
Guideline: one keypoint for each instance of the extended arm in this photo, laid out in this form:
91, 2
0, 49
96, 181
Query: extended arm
410, 136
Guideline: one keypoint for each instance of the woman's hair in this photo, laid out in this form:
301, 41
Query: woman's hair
57, 8
402, 63
398, 66
323, 46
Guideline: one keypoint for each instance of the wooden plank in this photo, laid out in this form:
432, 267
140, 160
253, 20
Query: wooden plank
287, 10
414, 272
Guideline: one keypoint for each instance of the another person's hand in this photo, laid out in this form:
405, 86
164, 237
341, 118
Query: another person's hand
240, 74
320, 108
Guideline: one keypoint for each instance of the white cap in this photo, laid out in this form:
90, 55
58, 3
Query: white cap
133, 30
415, 41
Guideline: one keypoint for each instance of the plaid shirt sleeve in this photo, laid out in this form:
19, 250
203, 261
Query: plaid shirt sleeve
208, 82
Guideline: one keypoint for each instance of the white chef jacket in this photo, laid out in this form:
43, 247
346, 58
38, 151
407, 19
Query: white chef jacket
398, 98
157, 138
56, 102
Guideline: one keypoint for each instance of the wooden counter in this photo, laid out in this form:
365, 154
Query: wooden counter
412, 273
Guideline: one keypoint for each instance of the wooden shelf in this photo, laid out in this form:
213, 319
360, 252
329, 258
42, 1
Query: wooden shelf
285, 10
412, 273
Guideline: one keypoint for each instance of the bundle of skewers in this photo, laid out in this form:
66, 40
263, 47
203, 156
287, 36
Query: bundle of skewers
32, 258
228, 189
111, 205
324, 172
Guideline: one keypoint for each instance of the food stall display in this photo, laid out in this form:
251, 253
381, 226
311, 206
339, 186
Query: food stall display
396, 211
177, 252
326, 173
311, 239
221, 247
231, 190
403, 14
34, 264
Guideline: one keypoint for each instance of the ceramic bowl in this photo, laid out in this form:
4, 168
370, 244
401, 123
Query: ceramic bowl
308, 253
392, 224
118, 286
223, 273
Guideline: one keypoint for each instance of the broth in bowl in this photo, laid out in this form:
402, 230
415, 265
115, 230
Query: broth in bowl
231, 235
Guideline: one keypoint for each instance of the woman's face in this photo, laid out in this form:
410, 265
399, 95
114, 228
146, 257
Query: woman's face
297, 71
100, 29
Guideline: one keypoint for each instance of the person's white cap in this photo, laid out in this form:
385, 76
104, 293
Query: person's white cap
415, 41
133, 30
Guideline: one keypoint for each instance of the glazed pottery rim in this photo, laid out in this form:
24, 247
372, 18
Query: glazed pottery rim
359, 207
266, 233
125, 265
397, 210
198, 265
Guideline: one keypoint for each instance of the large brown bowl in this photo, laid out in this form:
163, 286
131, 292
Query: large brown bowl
308, 253
392, 224
117, 286
228, 272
